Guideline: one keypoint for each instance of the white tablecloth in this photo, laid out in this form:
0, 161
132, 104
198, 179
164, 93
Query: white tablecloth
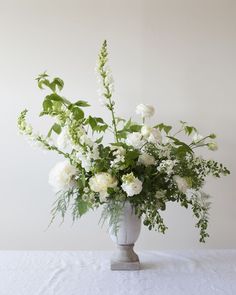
84, 272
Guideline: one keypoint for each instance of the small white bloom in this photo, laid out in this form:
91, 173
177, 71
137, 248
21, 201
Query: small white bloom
131, 185
61, 176
63, 139
146, 111
197, 137
212, 146
146, 159
135, 139
155, 136
146, 131
100, 182
167, 166
181, 183
85, 160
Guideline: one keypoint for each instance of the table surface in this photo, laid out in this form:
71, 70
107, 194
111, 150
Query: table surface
87, 272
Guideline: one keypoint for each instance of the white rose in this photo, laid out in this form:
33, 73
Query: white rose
181, 183
135, 139
146, 111
100, 182
212, 146
61, 176
146, 159
131, 185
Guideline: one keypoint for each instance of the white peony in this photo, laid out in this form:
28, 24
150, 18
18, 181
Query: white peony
100, 182
61, 177
131, 185
135, 139
146, 111
181, 183
146, 159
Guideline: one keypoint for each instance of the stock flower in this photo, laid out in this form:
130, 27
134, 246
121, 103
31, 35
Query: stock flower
167, 166
182, 183
100, 182
135, 139
146, 159
131, 185
61, 177
63, 139
144, 110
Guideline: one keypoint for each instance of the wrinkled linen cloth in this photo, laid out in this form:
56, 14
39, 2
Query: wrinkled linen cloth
206, 272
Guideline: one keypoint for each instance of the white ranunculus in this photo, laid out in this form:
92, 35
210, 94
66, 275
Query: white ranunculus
181, 183
100, 182
146, 111
131, 185
63, 139
155, 136
212, 146
61, 177
146, 159
135, 139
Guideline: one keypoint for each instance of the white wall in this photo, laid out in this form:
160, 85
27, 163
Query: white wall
177, 55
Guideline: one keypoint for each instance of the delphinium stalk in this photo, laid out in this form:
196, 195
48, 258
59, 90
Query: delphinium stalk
107, 84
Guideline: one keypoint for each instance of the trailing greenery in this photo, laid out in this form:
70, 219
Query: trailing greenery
148, 166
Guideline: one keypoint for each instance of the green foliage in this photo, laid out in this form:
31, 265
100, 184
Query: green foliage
164, 169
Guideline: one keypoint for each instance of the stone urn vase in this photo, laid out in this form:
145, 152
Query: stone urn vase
129, 226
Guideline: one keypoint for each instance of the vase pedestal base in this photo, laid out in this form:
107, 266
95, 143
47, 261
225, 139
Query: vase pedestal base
125, 258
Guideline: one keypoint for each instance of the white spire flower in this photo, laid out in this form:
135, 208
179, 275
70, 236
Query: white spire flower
145, 111
131, 185
63, 139
61, 177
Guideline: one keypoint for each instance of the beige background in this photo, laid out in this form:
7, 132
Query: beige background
177, 55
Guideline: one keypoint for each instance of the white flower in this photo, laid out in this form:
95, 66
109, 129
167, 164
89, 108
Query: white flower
146, 131
212, 146
63, 139
61, 176
146, 159
167, 166
100, 182
135, 139
84, 139
155, 136
181, 183
146, 111
197, 137
131, 185
85, 161
119, 153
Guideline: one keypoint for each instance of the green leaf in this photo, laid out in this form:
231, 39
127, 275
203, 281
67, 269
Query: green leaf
82, 207
47, 105
76, 111
56, 128
164, 127
82, 103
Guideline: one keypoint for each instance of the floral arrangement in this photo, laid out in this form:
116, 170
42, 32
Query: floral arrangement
148, 166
